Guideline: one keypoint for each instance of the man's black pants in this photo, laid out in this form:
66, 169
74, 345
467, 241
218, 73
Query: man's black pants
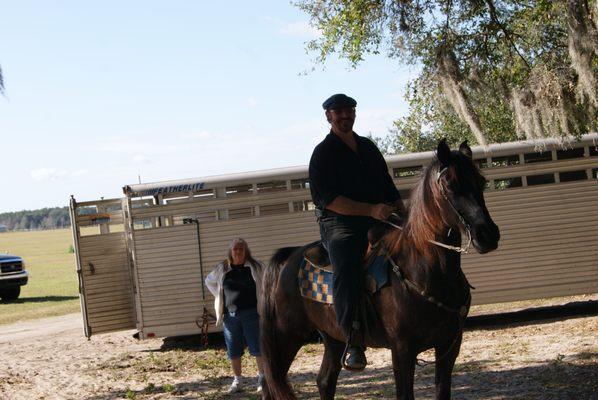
345, 238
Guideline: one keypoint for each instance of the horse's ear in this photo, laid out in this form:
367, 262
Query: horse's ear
465, 149
443, 152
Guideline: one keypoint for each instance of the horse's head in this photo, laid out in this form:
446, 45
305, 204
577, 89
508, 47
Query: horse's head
461, 186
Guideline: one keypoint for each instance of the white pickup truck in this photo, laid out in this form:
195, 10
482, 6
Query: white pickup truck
12, 276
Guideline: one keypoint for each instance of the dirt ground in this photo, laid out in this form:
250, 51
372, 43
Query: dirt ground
51, 359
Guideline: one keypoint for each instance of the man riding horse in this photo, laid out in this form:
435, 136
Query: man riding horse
351, 188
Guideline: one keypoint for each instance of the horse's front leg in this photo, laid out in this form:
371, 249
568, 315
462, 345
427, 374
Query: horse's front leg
445, 361
403, 366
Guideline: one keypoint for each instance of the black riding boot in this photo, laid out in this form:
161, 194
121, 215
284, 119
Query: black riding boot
354, 356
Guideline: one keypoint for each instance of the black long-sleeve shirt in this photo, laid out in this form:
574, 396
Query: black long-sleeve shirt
336, 170
239, 289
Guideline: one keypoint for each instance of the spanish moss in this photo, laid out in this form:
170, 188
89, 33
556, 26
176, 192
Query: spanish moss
449, 75
543, 107
583, 46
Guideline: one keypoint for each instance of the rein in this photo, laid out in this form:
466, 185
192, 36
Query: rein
461, 311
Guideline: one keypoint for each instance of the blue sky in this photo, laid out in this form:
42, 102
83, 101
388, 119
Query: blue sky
99, 93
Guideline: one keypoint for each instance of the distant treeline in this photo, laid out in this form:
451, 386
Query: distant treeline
45, 218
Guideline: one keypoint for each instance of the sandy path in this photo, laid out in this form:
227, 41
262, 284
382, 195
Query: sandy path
51, 359
44, 327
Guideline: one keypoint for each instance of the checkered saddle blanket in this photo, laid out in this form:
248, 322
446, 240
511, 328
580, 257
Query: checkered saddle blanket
315, 274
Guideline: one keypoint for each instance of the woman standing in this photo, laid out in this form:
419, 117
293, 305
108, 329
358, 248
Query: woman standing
236, 284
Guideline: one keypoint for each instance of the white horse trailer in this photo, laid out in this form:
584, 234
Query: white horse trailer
141, 259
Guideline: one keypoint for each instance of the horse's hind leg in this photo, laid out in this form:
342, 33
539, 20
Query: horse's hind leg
330, 368
445, 361
277, 366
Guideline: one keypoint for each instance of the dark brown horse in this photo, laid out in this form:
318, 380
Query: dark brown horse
425, 303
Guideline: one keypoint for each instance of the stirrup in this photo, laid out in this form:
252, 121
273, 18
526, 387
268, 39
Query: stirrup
347, 366
351, 343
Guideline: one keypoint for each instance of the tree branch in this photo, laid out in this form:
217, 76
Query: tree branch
1, 82
494, 19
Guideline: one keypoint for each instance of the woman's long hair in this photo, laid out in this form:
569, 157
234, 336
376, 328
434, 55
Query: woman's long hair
229, 253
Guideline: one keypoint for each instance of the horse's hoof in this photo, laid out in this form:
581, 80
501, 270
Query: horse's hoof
355, 360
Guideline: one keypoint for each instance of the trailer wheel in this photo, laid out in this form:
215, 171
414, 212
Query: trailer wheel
10, 294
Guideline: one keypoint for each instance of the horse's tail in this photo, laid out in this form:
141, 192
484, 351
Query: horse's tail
278, 386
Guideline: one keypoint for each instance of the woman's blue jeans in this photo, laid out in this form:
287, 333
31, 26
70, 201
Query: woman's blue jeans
240, 328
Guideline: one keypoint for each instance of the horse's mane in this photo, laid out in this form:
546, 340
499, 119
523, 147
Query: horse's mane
424, 217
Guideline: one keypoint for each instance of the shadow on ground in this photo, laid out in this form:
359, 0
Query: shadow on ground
215, 341
535, 315
572, 377
193, 342
528, 316
44, 299
560, 379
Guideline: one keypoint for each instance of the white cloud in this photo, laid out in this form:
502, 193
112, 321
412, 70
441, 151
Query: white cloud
376, 121
252, 102
53, 174
140, 150
47, 174
306, 134
301, 29
139, 158
201, 135
79, 172
141, 146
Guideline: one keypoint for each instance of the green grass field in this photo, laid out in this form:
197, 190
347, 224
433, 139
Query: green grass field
52, 288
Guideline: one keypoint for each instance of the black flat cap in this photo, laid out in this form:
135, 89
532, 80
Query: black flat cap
339, 100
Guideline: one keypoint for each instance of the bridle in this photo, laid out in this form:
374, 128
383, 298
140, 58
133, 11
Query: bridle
458, 249
461, 219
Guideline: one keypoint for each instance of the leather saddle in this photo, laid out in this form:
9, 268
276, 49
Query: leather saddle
315, 283
317, 254
316, 259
